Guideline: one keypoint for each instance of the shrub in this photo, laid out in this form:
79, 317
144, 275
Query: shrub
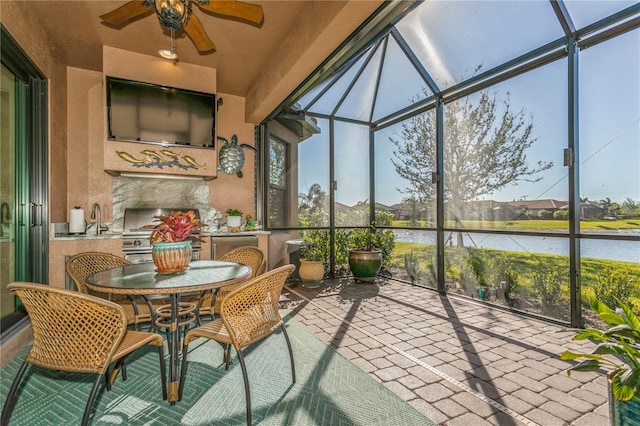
501, 270
384, 218
411, 263
561, 214
453, 273
546, 286
477, 265
612, 284
545, 214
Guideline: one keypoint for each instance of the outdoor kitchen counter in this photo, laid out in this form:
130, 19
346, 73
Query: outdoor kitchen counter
62, 246
76, 237
114, 235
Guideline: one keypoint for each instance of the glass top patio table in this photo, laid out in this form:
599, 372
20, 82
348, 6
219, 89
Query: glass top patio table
142, 279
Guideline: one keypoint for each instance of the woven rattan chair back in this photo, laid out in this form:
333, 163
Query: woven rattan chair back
71, 331
80, 266
251, 256
84, 264
76, 332
248, 314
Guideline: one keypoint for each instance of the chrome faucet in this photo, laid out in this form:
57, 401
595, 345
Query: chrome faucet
99, 227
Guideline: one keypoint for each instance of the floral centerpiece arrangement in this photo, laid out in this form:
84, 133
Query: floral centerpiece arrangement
174, 227
170, 248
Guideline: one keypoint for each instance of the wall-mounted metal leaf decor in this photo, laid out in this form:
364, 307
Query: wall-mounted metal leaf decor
162, 159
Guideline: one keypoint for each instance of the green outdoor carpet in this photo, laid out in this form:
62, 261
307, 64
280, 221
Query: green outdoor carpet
330, 390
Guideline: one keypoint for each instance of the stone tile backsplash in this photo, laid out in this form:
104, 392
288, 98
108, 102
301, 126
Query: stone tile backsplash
129, 192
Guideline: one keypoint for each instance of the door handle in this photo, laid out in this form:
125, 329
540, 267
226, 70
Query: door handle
36, 214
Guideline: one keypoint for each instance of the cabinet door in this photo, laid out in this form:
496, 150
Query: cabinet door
206, 249
223, 245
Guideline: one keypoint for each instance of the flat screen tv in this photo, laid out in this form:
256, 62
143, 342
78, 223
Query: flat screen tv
149, 113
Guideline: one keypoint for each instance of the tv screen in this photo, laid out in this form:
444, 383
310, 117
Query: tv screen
149, 113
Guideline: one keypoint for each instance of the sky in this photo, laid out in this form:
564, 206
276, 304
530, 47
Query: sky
608, 99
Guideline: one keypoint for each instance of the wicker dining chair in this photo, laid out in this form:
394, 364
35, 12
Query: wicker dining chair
79, 333
247, 315
80, 266
251, 256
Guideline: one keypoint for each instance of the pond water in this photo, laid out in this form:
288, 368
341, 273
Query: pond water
626, 251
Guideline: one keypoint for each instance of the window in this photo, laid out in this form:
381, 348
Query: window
278, 187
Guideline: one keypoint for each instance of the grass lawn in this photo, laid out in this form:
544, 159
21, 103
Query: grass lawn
533, 225
526, 266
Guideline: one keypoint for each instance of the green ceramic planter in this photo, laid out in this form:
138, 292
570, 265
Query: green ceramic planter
365, 264
623, 413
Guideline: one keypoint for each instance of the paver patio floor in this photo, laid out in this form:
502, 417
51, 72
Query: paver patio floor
457, 361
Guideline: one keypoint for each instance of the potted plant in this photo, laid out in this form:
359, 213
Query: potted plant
234, 218
369, 249
616, 351
312, 262
170, 248
250, 223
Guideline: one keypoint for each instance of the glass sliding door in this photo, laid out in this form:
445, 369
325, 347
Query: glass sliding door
9, 87
23, 176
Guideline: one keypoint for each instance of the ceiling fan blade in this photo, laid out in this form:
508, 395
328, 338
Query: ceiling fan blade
251, 13
126, 13
198, 35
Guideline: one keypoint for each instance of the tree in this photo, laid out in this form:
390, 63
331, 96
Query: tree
315, 199
484, 151
277, 163
313, 206
606, 203
630, 207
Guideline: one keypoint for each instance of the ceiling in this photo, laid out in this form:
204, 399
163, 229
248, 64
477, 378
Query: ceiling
242, 52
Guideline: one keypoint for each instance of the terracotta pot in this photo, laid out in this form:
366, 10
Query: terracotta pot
171, 258
365, 264
311, 272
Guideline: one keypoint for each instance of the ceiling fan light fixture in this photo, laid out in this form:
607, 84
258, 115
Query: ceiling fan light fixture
173, 14
170, 53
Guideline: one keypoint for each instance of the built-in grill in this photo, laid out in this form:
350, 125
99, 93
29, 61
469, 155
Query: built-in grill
136, 246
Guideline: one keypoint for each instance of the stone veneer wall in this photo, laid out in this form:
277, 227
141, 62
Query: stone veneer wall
157, 192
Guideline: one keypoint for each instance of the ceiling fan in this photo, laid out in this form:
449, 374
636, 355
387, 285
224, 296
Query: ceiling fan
178, 15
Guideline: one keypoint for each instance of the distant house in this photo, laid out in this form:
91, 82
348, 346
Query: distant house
410, 211
534, 208
589, 210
